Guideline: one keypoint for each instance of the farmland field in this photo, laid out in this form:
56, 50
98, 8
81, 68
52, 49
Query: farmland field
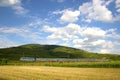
110, 64
57, 73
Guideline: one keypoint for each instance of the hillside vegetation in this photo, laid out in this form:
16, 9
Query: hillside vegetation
51, 51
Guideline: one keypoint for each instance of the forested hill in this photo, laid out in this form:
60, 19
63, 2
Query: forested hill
51, 51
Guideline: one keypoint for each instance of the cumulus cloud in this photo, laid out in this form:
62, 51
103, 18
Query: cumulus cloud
65, 33
88, 38
16, 5
68, 15
93, 32
96, 10
72, 31
5, 3
98, 45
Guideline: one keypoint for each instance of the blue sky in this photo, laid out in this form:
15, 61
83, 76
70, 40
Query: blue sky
92, 25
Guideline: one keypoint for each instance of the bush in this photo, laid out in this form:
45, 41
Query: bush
3, 61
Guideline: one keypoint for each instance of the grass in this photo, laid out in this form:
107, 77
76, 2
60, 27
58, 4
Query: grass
57, 73
110, 64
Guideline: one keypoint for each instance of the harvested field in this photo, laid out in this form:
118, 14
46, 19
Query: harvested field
57, 73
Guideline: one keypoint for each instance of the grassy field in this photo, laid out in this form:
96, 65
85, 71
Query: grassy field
57, 73
110, 64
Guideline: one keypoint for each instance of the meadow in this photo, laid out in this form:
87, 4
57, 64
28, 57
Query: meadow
109, 64
57, 73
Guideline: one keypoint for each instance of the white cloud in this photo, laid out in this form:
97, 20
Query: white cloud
49, 29
99, 45
88, 38
5, 3
12, 30
36, 23
57, 12
73, 31
64, 33
19, 9
105, 51
15, 5
30, 31
112, 34
22, 32
93, 32
96, 10
70, 16
98, 42
5, 42
117, 2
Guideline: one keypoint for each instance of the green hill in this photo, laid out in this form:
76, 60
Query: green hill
51, 51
